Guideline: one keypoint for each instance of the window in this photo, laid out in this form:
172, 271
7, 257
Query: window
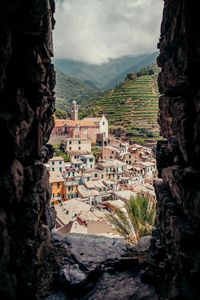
53, 169
58, 194
53, 162
70, 148
52, 195
103, 123
110, 157
112, 152
60, 162
70, 142
79, 148
58, 185
60, 169
79, 142
95, 175
91, 159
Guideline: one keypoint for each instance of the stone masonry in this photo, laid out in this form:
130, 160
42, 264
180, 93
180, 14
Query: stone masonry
27, 103
178, 157
27, 80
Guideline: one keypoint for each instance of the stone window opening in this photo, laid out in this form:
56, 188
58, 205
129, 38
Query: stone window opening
27, 81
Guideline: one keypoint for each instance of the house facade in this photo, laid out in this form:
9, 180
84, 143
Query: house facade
56, 164
77, 144
87, 128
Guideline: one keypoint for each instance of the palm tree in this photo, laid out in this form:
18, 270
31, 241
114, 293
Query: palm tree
135, 220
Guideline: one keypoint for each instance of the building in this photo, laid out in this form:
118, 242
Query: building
110, 152
77, 144
76, 216
124, 195
149, 169
124, 147
74, 111
129, 158
114, 168
101, 122
140, 152
98, 174
71, 188
56, 164
88, 128
88, 161
56, 181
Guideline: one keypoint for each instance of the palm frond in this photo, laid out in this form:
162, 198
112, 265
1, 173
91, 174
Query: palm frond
136, 220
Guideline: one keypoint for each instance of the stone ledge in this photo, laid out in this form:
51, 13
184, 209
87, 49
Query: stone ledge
96, 267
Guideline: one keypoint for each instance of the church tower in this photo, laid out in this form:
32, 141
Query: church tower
74, 111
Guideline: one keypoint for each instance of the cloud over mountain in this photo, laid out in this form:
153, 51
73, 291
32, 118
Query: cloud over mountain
95, 31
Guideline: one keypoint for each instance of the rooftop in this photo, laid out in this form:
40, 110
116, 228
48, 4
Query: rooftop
125, 194
70, 209
95, 184
116, 203
56, 158
87, 155
95, 120
99, 227
86, 193
148, 164
112, 163
77, 153
78, 139
55, 177
75, 123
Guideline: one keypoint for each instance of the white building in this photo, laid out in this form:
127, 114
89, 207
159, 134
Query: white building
88, 161
149, 169
101, 122
56, 164
123, 147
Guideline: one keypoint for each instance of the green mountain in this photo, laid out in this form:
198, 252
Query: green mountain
107, 75
131, 107
68, 89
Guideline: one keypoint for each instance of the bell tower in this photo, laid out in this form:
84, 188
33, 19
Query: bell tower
74, 111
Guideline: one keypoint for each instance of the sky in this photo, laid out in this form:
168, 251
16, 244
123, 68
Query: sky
95, 31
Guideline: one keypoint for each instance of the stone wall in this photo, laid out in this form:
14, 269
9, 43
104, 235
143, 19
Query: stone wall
27, 81
178, 157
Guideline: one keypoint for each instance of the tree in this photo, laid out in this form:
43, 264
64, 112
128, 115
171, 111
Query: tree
61, 114
59, 152
135, 220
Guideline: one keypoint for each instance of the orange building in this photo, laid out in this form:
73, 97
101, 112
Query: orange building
57, 188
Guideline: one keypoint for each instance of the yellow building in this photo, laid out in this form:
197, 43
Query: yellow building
71, 189
57, 187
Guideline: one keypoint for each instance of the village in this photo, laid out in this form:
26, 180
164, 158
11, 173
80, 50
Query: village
86, 189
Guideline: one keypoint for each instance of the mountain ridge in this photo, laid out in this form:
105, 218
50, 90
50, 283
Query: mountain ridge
68, 89
107, 75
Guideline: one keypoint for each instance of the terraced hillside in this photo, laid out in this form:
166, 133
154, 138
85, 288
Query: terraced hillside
131, 109
133, 105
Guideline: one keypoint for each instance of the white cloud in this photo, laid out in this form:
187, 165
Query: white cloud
96, 30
